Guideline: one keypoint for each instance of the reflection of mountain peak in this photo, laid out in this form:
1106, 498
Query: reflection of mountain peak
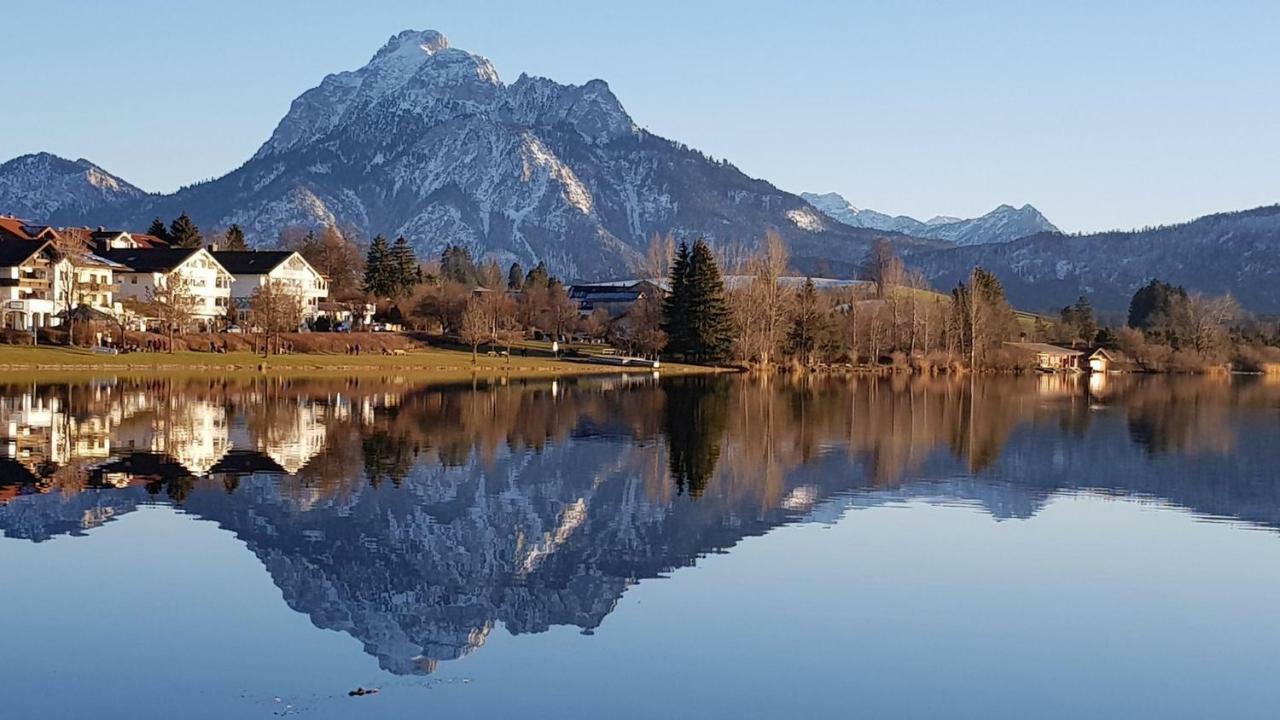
418, 521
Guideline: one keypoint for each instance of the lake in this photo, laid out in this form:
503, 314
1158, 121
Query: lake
638, 547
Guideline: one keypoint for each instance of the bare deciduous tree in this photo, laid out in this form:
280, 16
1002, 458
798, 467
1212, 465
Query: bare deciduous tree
173, 303
760, 309
275, 308
475, 327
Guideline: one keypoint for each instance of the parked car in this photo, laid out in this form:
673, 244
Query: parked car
235, 329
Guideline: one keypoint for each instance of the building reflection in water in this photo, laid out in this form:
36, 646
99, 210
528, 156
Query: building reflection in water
418, 519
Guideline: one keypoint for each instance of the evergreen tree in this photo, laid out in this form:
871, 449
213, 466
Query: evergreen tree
710, 327
404, 266
538, 277
695, 420
982, 315
457, 265
1154, 303
675, 308
158, 229
809, 323
515, 277
1078, 322
379, 271
184, 234
233, 239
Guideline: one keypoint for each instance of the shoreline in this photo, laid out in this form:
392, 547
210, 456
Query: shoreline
429, 364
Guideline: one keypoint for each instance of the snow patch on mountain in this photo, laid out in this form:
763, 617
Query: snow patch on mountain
806, 219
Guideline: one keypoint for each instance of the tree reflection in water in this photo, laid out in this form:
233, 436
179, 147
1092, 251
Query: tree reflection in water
417, 518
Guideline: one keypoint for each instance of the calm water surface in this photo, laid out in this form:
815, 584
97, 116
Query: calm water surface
636, 548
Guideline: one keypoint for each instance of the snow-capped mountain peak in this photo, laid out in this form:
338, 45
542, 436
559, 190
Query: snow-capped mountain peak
1003, 224
413, 66
427, 142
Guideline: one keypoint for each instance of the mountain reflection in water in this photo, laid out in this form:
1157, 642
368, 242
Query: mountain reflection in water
416, 518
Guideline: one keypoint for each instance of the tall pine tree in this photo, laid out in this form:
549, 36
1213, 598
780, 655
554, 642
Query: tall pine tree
675, 308
515, 277
538, 277
457, 265
405, 266
159, 230
379, 271
810, 323
233, 239
710, 328
184, 234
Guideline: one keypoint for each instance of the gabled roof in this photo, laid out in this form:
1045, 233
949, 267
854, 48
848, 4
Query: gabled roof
1045, 348
1112, 355
12, 228
252, 262
15, 252
151, 241
107, 234
150, 259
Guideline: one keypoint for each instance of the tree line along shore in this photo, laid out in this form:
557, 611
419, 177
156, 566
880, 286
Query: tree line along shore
690, 304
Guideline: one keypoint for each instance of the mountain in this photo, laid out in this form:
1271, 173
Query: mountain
1003, 224
1228, 252
42, 186
426, 141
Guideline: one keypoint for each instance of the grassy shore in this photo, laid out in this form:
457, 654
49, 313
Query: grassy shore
428, 363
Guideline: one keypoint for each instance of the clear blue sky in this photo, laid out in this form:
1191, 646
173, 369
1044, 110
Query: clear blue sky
1101, 114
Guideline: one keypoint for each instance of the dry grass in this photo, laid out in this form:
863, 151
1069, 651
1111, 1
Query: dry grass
430, 363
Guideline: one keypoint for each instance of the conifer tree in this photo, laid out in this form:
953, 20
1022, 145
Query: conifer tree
404, 265
379, 272
809, 323
675, 308
233, 239
457, 265
515, 277
158, 229
538, 277
710, 328
184, 234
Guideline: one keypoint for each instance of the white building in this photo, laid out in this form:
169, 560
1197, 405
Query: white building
28, 270
254, 269
143, 270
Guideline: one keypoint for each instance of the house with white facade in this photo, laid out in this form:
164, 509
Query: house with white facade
28, 270
144, 270
254, 269
40, 284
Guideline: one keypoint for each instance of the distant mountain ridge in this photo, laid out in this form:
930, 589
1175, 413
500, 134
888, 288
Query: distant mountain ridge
1003, 224
43, 185
426, 141
1235, 252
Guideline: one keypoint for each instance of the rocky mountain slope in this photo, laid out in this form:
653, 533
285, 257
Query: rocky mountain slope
43, 186
1003, 224
426, 141
1228, 252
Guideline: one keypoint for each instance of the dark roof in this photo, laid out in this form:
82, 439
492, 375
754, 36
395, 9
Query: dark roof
15, 252
624, 296
240, 462
251, 262
150, 259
